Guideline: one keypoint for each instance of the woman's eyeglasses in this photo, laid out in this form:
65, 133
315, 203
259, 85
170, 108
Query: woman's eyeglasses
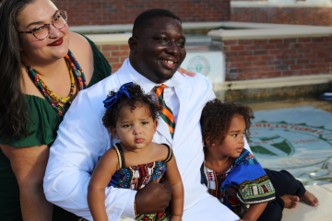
42, 32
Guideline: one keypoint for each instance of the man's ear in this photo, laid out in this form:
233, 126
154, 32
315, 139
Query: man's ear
132, 42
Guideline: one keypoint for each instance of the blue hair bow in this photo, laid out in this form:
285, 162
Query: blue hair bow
111, 100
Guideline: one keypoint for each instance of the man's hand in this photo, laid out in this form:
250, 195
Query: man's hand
153, 198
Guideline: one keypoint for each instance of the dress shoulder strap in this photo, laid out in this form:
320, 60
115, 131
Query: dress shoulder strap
169, 154
119, 153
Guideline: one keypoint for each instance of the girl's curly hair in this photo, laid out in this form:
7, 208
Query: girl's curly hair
216, 119
137, 96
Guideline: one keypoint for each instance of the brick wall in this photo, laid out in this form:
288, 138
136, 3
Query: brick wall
321, 16
115, 54
259, 58
107, 12
255, 59
244, 59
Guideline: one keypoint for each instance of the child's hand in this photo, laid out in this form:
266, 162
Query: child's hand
176, 218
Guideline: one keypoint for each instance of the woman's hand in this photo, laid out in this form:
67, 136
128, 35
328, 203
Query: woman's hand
186, 72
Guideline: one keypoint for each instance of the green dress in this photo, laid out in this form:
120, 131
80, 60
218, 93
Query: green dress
42, 130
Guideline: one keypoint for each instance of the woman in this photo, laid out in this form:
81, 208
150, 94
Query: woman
43, 67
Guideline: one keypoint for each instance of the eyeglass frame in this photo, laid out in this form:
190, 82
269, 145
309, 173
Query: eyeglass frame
48, 26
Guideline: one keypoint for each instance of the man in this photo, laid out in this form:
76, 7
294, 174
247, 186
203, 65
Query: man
157, 49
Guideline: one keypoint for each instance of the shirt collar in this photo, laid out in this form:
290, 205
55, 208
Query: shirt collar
148, 85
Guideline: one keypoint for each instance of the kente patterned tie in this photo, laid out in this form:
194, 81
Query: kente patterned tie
166, 113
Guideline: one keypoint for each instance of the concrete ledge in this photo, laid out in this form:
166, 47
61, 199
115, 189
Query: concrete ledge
230, 31
276, 82
99, 29
274, 88
253, 25
274, 94
305, 212
120, 33
298, 4
267, 31
109, 39
328, 187
279, 82
124, 28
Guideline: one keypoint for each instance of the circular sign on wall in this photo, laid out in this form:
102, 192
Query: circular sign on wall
199, 64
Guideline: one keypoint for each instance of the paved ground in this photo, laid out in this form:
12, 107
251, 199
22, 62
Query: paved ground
304, 212
321, 188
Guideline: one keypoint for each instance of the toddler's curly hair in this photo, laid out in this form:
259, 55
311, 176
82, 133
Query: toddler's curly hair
216, 118
137, 97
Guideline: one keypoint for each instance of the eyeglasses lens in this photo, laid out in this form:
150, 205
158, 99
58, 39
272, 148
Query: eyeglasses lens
59, 21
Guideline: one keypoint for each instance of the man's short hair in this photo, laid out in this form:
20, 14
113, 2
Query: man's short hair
142, 20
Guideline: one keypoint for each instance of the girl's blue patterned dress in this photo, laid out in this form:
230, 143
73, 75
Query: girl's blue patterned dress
136, 177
